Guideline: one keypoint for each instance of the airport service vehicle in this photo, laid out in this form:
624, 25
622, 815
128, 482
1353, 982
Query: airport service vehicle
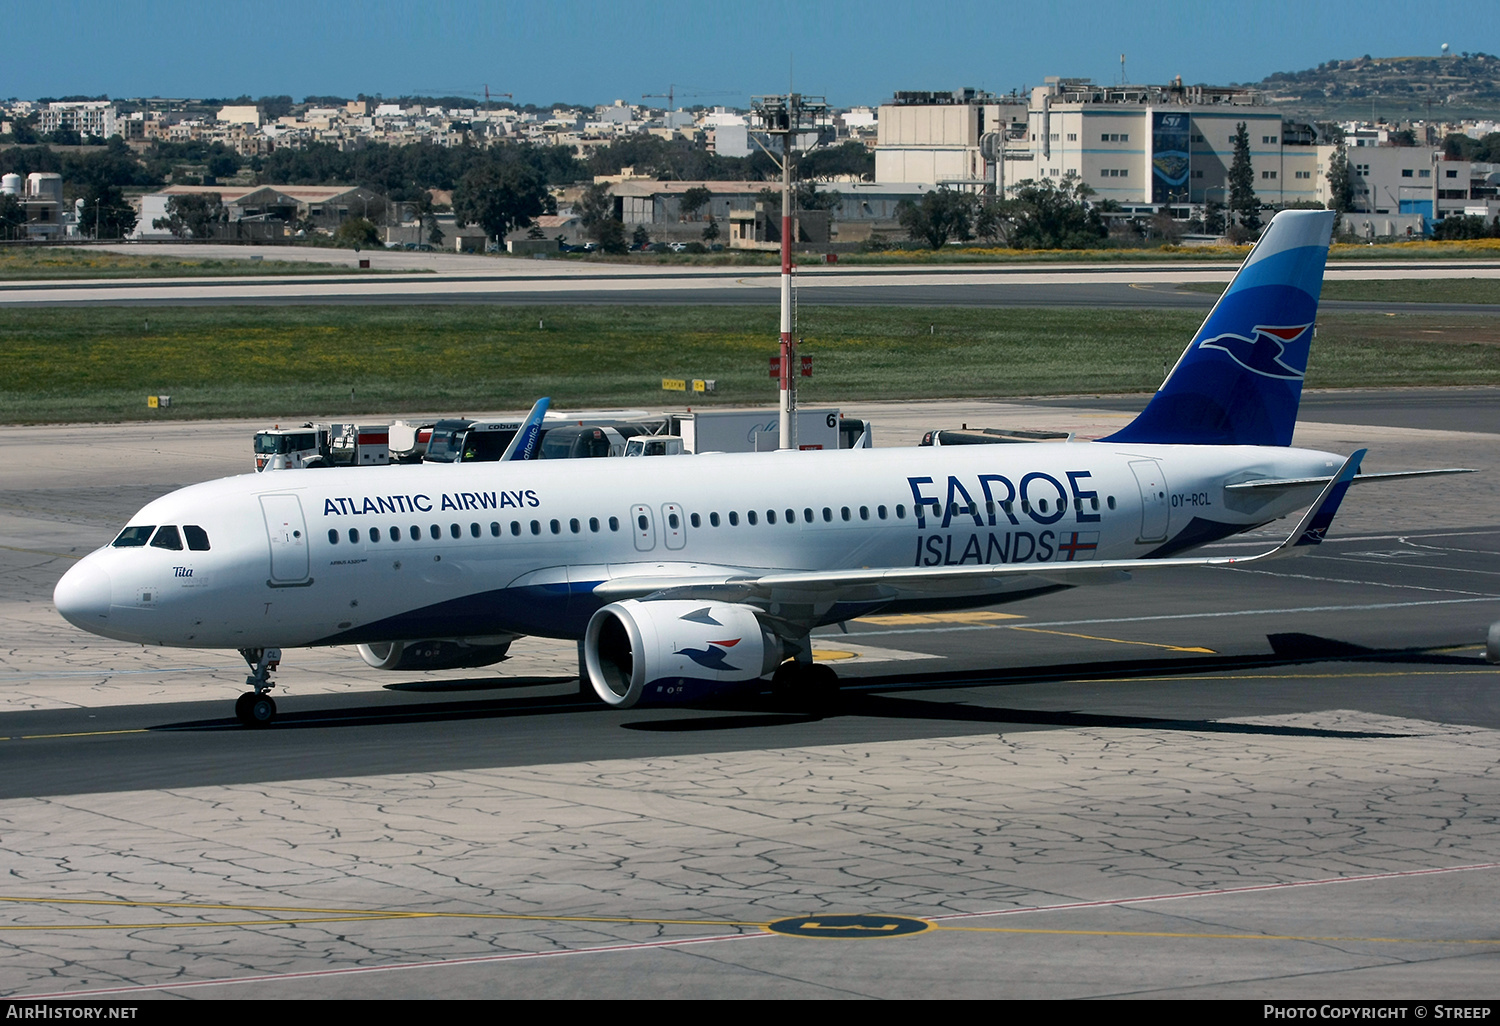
322, 445
692, 579
755, 430
655, 445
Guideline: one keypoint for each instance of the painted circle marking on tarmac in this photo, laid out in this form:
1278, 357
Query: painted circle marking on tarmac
850, 927
828, 655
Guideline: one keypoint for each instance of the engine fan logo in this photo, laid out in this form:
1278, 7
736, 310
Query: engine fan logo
711, 657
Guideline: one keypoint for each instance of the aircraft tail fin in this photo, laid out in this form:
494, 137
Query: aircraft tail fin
1240, 379
524, 445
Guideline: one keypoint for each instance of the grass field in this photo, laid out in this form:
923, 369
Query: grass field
296, 362
39, 263
1400, 290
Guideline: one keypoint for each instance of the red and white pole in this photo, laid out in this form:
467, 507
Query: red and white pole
788, 422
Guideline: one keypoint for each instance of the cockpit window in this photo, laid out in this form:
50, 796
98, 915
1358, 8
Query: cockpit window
197, 538
132, 537
166, 538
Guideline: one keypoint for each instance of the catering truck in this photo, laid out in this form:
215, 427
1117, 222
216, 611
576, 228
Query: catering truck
322, 445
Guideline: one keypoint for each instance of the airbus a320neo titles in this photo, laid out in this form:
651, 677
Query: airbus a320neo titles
689, 577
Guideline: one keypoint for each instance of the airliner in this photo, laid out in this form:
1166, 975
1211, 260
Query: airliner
688, 577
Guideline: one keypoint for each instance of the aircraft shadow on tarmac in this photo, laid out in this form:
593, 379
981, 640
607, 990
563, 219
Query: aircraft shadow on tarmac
878, 697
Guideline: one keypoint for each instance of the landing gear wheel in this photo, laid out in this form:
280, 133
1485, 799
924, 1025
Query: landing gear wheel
255, 710
813, 688
820, 689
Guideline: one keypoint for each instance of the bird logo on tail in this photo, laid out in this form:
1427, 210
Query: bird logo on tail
1262, 353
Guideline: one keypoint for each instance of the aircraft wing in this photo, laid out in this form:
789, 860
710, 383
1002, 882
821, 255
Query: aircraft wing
871, 583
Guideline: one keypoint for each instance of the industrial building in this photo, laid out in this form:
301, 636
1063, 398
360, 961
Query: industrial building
1145, 147
41, 199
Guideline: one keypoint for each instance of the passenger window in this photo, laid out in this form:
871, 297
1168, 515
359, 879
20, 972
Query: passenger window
734, 519
749, 517
1042, 505
455, 530
556, 527
395, 534
695, 520
167, 538
594, 524
770, 516
642, 523
333, 537
713, 519
1094, 503
880, 511
844, 512
515, 528
536, 527
197, 538
614, 523
827, 515
672, 522
353, 535
1025, 506
807, 516
1111, 501
374, 534
494, 529
791, 516
575, 526
435, 531
133, 537
864, 512
415, 533
900, 511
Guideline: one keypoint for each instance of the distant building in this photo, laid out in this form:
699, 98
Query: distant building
1145, 147
89, 117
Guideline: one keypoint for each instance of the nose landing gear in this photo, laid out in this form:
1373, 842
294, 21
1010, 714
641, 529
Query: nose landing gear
257, 708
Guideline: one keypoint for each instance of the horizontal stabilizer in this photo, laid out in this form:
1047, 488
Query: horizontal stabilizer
1303, 482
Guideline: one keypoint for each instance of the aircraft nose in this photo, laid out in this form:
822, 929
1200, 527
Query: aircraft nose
83, 595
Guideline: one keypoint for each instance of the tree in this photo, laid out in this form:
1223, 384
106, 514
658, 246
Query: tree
1340, 185
610, 235
193, 215
434, 233
105, 213
711, 230
1242, 201
357, 233
640, 238
1051, 215
12, 217
596, 213
694, 200
500, 196
941, 215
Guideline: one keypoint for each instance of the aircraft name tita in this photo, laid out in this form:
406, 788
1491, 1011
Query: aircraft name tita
421, 503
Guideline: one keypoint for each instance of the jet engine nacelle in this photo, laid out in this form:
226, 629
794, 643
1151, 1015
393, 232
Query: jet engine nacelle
450, 654
672, 651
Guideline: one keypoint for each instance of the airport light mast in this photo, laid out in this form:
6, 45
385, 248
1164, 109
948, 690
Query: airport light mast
788, 116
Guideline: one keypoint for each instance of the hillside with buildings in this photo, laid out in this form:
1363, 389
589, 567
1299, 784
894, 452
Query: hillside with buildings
1444, 88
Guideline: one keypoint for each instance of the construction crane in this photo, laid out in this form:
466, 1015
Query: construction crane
671, 96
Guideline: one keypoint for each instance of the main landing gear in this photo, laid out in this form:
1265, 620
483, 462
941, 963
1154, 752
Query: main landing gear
810, 686
257, 708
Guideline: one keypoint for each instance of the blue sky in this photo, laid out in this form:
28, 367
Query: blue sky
587, 51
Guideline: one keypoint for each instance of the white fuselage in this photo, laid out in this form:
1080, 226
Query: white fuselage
406, 552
